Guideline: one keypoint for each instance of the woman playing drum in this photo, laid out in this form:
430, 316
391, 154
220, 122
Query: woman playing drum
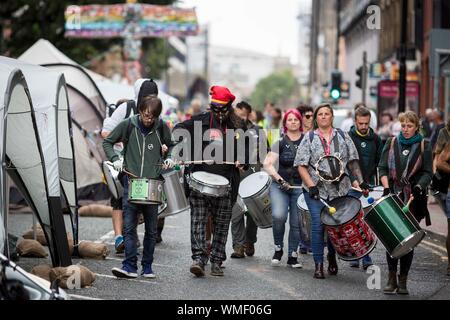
326, 141
282, 197
406, 170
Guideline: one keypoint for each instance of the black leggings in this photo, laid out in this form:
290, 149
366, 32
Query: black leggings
405, 263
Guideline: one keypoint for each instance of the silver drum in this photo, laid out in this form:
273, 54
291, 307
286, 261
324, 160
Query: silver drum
239, 208
111, 177
376, 194
174, 191
254, 191
145, 191
209, 184
304, 219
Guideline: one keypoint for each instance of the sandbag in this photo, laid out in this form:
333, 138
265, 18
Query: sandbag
42, 271
40, 236
31, 248
72, 277
95, 210
91, 250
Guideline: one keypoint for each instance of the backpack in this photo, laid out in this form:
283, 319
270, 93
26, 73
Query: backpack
131, 105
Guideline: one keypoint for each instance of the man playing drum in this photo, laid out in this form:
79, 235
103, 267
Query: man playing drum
214, 125
244, 234
406, 170
369, 147
124, 109
143, 150
326, 141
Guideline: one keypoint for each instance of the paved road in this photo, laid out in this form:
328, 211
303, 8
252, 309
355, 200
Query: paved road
249, 278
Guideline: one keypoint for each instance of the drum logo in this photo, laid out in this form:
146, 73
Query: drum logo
150, 146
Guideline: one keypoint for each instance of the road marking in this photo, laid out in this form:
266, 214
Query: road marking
133, 280
442, 248
443, 258
83, 297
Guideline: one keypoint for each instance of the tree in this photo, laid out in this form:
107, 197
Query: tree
31, 20
277, 88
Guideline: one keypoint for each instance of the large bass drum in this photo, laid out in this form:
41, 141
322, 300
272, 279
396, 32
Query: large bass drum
398, 231
174, 193
254, 191
350, 235
210, 184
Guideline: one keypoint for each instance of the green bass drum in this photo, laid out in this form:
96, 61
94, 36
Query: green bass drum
398, 231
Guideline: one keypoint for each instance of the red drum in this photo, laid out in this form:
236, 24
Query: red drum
348, 232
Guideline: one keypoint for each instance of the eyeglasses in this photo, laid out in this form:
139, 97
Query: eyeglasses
308, 116
148, 116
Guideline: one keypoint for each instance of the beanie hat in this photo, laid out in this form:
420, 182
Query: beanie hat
221, 95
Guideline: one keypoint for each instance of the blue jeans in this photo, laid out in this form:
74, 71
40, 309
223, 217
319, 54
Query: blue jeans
282, 203
130, 222
317, 229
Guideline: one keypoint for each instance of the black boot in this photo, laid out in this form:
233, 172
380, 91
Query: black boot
402, 279
318, 273
391, 286
332, 264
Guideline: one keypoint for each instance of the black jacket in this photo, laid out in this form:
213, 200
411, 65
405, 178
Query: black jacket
206, 121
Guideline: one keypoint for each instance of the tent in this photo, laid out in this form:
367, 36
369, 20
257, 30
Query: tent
51, 105
88, 108
23, 159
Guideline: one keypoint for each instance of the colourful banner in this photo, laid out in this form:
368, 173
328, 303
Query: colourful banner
129, 20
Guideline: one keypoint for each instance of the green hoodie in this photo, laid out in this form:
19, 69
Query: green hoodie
141, 164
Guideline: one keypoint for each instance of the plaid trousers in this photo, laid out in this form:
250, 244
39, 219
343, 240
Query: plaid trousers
220, 209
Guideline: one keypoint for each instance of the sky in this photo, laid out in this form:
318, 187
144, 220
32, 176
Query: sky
264, 26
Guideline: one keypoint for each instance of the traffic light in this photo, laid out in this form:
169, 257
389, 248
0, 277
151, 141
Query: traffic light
336, 80
361, 72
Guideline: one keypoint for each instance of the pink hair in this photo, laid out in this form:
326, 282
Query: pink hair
296, 114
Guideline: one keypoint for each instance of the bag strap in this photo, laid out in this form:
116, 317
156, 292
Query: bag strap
131, 105
127, 136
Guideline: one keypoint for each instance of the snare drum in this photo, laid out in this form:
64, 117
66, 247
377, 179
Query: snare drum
348, 232
304, 219
398, 231
145, 191
112, 180
254, 191
209, 184
376, 194
174, 193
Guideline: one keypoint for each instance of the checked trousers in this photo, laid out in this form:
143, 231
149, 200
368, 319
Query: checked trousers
220, 209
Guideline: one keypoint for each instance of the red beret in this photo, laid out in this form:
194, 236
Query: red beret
221, 95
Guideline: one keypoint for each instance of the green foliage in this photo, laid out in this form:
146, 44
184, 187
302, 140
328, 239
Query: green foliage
277, 87
34, 19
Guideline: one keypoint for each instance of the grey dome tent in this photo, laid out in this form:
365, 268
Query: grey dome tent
26, 158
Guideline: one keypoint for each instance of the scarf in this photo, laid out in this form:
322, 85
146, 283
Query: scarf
402, 183
409, 142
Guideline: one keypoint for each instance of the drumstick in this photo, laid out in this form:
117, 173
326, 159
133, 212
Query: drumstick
406, 208
365, 193
332, 210
295, 187
130, 174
